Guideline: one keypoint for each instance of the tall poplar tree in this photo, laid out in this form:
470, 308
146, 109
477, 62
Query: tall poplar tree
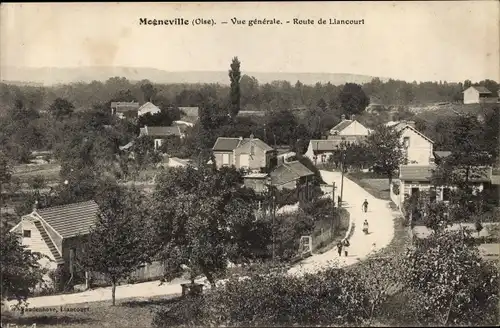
235, 95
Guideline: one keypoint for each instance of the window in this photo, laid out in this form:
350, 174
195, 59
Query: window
406, 142
225, 159
252, 150
157, 143
27, 233
446, 194
415, 191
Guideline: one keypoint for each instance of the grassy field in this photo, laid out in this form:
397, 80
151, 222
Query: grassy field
375, 185
127, 313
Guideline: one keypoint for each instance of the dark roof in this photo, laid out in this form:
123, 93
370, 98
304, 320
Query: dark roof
230, 144
122, 107
160, 131
424, 173
288, 172
416, 172
331, 144
72, 219
342, 125
442, 153
481, 89
226, 144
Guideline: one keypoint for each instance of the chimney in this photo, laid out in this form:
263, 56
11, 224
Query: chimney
241, 138
411, 123
251, 136
342, 117
352, 117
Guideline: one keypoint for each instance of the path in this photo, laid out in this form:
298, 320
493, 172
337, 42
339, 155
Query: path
381, 227
379, 216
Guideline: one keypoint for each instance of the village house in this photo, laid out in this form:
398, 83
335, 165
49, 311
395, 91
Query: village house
148, 108
293, 176
160, 133
57, 232
251, 154
319, 151
349, 128
124, 109
415, 179
418, 149
479, 95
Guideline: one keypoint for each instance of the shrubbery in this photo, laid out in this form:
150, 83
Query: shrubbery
331, 297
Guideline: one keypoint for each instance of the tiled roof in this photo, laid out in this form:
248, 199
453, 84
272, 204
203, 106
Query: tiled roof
72, 219
288, 172
226, 144
416, 172
230, 144
160, 131
424, 173
333, 142
341, 126
190, 111
481, 89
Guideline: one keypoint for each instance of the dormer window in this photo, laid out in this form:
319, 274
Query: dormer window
27, 233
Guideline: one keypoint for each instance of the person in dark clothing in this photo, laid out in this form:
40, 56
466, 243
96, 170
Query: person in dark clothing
346, 245
339, 247
365, 206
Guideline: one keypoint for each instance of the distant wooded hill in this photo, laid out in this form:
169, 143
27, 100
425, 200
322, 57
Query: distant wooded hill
51, 76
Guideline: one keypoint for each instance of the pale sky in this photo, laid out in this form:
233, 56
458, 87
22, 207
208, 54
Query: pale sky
418, 41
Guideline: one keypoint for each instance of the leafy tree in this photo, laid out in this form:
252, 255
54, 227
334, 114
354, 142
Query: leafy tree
386, 149
164, 118
119, 243
235, 76
456, 287
148, 91
20, 268
353, 99
61, 108
200, 225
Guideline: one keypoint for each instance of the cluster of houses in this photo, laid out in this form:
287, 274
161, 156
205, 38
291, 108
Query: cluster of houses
57, 232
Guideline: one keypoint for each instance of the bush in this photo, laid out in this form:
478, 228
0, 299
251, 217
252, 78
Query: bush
332, 297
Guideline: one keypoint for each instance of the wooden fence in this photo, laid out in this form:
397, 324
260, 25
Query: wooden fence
148, 272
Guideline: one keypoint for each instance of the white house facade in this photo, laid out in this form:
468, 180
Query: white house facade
349, 128
478, 95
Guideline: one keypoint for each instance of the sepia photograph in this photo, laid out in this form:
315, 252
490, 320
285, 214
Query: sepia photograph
250, 164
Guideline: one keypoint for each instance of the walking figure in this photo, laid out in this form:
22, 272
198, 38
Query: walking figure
339, 248
346, 245
365, 206
365, 227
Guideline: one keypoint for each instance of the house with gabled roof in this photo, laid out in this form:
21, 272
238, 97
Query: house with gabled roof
479, 95
124, 109
319, 151
160, 133
148, 108
349, 127
251, 154
57, 232
414, 179
418, 148
293, 176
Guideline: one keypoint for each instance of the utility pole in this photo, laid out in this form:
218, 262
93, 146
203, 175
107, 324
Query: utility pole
273, 213
333, 207
342, 160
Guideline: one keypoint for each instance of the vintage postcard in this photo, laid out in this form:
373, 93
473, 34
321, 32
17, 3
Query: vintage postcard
250, 164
